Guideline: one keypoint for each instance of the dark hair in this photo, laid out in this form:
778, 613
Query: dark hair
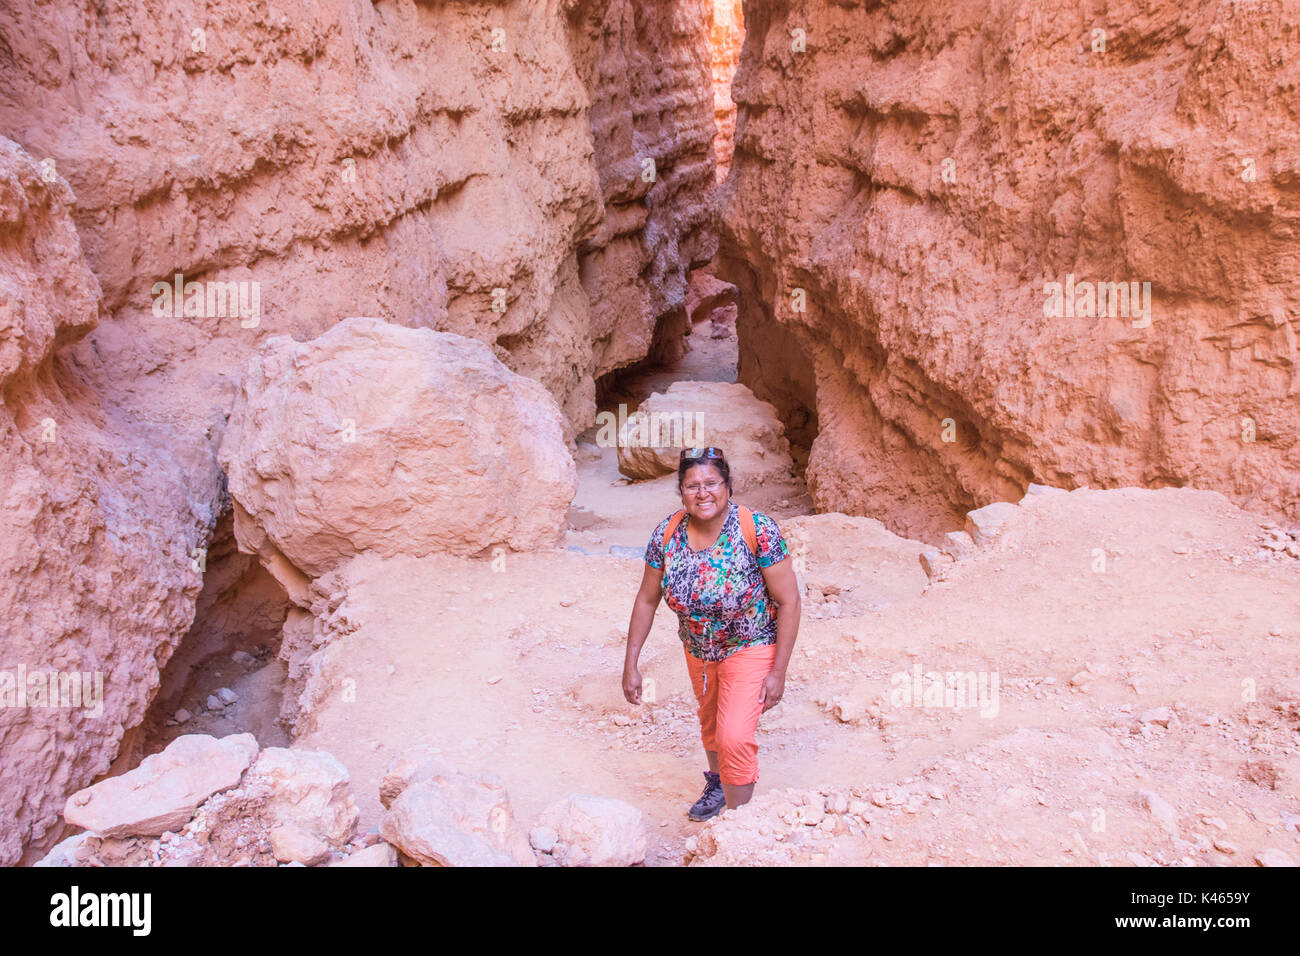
687, 464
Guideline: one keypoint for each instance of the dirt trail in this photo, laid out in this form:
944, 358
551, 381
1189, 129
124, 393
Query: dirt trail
1138, 651
516, 671
436, 634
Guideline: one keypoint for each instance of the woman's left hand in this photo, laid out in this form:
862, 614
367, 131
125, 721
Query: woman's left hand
773, 690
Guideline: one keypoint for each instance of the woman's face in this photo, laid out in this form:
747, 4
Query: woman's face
704, 493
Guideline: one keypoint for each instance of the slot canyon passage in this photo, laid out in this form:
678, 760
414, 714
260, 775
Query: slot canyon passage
321, 324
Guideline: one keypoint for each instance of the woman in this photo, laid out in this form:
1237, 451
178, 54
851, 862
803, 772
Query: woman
736, 645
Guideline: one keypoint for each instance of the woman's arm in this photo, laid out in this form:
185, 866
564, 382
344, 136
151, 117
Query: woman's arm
638, 629
784, 590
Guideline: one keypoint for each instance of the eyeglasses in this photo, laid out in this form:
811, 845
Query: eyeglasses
710, 452
709, 486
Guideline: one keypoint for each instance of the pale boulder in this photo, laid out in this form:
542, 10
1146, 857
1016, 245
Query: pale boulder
453, 819
306, 789
292, 844
163, 792
985, 524
700, 414
406, 770
381, 854
375, 437
595, 831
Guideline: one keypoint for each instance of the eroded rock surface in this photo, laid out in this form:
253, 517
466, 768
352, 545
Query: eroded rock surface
98, 524
900, 198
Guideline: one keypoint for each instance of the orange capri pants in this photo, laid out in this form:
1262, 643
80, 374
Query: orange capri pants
728, 694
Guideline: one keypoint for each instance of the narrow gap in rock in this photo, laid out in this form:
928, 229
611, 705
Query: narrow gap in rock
226, 676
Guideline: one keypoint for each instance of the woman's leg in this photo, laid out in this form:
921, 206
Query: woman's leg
705, 684
739, 686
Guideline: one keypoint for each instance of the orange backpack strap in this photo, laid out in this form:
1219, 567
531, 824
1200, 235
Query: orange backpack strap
673, 522
749, 528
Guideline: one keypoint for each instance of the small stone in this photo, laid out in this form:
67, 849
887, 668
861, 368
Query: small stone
1273, 857
214, 702
227, 695
1156, 715
377, 854
1081, 678
984, 524
243, 657
542, 839
1161, 811
933, 562
181, 716
496, 679
292, 844
810, 815
1223, 846
959, 544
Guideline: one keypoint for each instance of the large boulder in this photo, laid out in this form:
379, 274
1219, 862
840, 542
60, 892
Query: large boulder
395, 440
704, 413
163, 792
595, 831
440, 817
303, 791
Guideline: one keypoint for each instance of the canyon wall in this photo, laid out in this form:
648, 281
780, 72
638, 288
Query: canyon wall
911, 176
534, 174
98, 530
725, 40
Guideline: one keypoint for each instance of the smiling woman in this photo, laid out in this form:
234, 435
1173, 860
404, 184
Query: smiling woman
721, 568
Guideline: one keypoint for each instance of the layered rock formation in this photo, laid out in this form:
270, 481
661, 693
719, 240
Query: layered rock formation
536, 176
725, 40
910, 178
99, 537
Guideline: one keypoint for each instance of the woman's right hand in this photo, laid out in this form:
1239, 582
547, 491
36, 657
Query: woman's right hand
632, 684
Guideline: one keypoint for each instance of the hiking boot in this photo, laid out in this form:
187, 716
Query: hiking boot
712, 801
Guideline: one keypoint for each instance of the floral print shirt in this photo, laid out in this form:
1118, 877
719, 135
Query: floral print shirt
719, 595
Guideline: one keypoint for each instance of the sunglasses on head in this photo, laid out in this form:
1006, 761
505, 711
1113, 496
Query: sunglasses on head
693, 453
